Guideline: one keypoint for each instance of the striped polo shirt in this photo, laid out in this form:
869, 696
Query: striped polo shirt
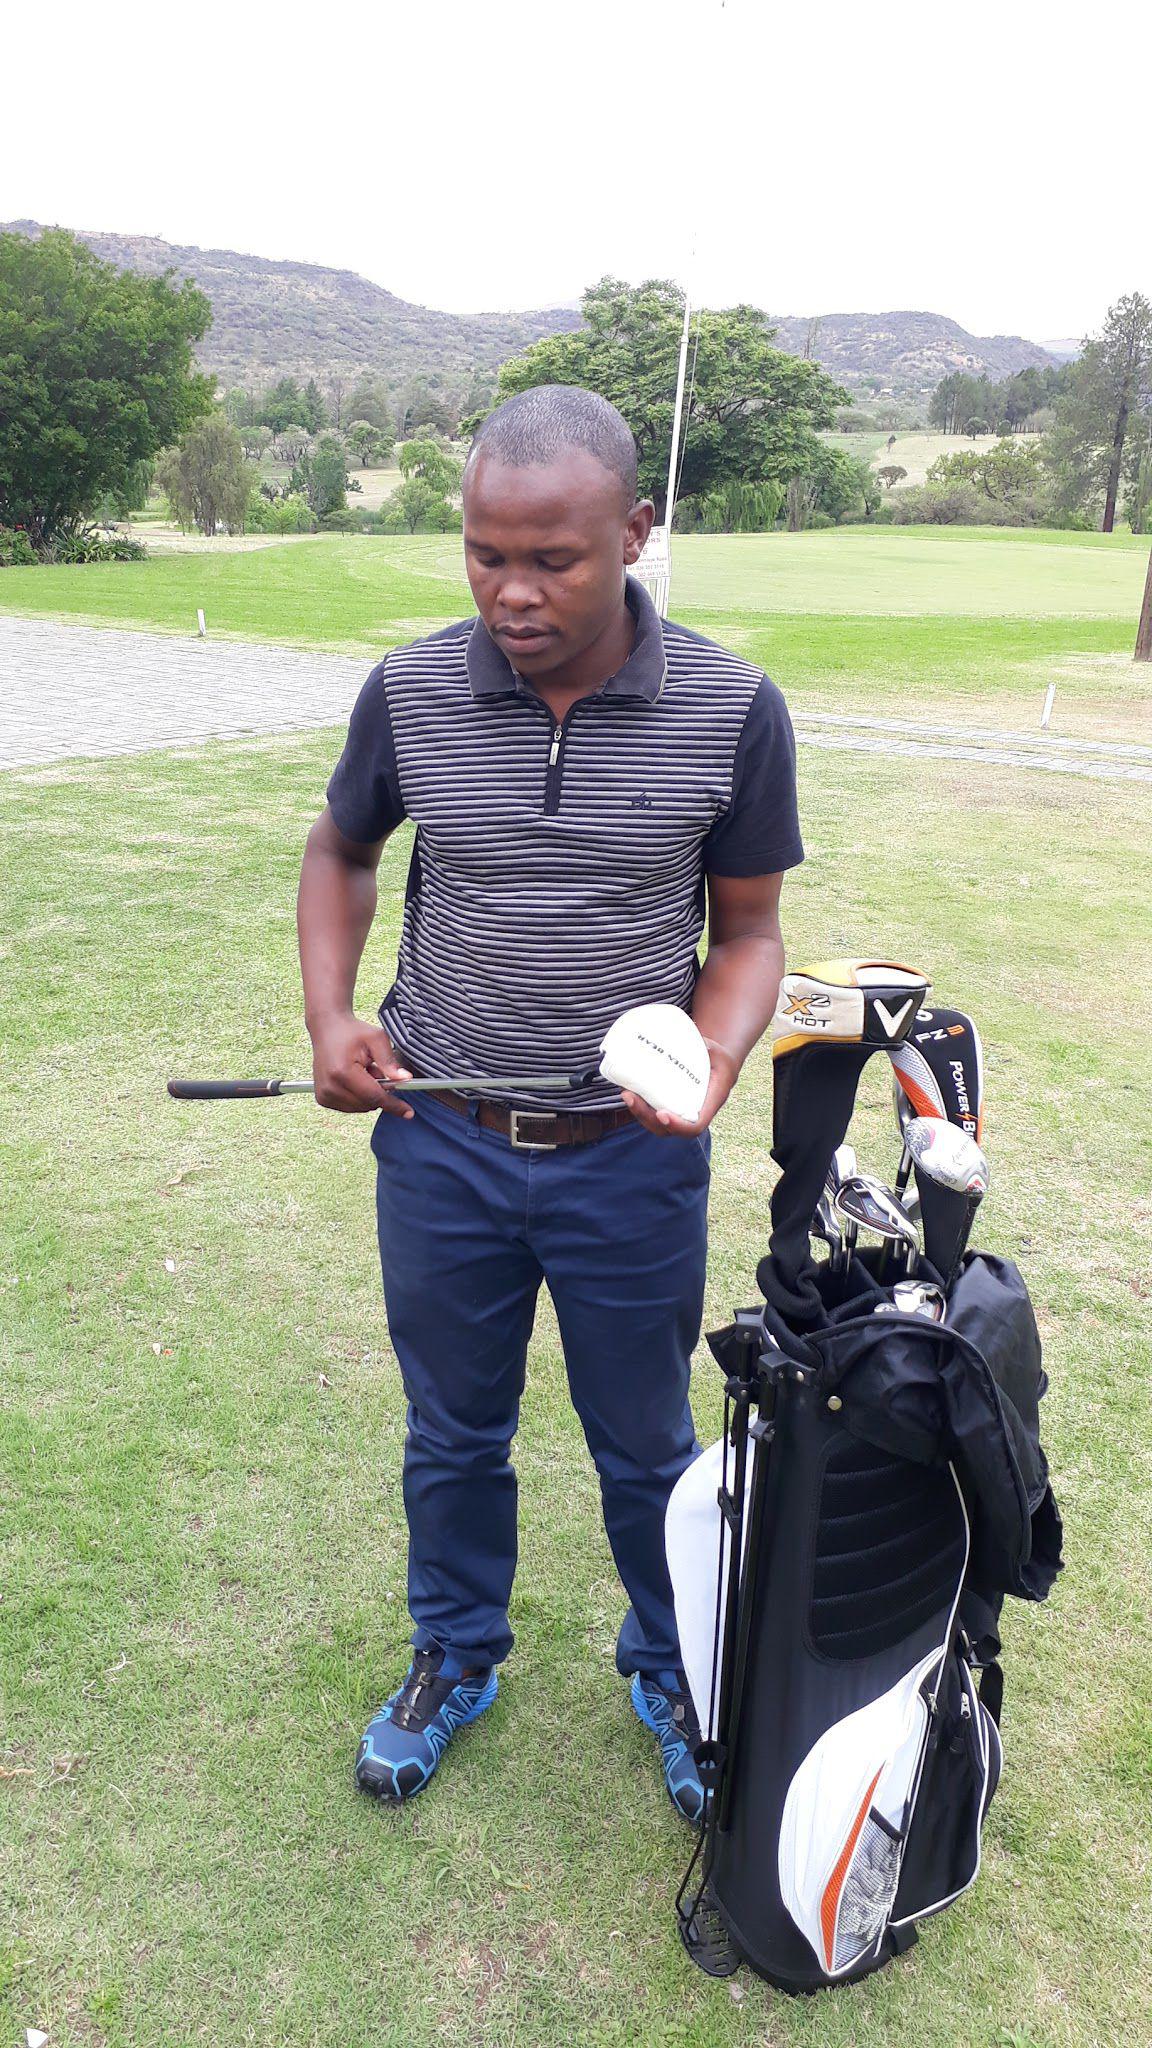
557, 870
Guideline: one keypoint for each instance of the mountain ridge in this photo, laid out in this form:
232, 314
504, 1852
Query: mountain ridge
277, 316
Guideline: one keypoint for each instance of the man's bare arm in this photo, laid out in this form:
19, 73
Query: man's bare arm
335, 906
736, 994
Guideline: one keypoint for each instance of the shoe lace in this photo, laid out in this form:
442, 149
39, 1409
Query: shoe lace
684, 1718
411, 1707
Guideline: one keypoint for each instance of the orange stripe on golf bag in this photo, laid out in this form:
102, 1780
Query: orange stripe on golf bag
830, 1903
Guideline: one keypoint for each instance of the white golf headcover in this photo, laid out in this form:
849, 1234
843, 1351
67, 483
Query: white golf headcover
656, 1051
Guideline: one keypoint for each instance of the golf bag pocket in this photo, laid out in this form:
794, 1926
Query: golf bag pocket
845, 1821
961, 1771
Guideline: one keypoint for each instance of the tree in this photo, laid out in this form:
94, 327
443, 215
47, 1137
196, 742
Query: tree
1006, 472
206, 479
372, 401
415, 502
423, 403
1138, 468
240, 407
891, 474
315, 411
755, 412
432, 463
1144, 629
1108, 389
284, 406
254, 440
365, 442
291, 443
95, 376
322, 476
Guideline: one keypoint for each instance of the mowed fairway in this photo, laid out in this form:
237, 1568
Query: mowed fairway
932, 622
202, 1542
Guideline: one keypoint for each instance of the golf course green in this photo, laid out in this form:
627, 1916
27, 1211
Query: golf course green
202, 1540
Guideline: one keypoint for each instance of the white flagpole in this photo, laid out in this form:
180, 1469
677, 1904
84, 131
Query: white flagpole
676, 418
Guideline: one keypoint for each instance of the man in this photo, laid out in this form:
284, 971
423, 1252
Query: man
579, 774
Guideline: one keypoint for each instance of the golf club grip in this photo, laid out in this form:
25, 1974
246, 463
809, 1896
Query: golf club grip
221, 1091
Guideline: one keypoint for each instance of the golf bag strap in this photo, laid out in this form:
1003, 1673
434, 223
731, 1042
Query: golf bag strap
991, 1690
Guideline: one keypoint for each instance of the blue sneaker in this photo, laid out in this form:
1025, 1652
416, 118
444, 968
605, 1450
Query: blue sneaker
664, 1704
405, 1741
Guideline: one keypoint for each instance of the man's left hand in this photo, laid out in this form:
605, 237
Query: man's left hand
722, 1080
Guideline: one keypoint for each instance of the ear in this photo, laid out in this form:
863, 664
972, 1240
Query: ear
636, 531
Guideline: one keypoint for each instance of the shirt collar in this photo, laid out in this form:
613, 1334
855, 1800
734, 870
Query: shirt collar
643, 675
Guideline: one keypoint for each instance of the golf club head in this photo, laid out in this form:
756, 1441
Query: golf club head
657, 1051
870, 1205
952, 1175
947, 1155
826, 1226
914, 1298
842, 1166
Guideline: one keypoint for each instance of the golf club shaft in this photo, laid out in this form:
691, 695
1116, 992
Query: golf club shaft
464, 1084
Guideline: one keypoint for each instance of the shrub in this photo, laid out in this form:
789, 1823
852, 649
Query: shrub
92, 547
292, 514
943, 504
16, 550
342, 520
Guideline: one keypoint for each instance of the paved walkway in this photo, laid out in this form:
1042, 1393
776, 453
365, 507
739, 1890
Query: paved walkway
69, 691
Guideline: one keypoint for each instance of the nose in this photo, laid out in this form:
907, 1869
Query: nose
518, 593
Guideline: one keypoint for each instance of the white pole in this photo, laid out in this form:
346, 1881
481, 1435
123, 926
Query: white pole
1049, 700
675, 449
200, 623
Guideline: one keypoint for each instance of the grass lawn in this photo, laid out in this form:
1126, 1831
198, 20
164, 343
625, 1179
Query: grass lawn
928, 621
913, 452
201, 1530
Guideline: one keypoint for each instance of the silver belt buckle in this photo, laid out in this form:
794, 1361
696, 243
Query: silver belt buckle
531, 1116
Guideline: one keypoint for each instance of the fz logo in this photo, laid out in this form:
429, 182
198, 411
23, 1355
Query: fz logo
810, 1012
938, 1034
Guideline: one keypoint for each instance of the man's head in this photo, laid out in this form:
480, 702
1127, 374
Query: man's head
551, 523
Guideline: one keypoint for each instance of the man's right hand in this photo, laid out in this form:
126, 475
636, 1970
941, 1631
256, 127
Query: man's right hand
351, 1061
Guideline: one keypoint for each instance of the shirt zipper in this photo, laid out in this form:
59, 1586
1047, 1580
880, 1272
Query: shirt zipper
552, 778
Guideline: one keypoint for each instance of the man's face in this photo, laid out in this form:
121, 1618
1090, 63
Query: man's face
545, 548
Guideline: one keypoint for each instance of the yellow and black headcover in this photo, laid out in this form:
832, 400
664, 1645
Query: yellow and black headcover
829, 1021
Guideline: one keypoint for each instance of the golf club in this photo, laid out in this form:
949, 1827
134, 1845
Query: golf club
863, 1200
843, 1165
914, 1298
827, 1227
464, 1084
953, 1175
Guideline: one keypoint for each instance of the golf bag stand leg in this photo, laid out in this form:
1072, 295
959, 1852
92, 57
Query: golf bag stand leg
759, 1367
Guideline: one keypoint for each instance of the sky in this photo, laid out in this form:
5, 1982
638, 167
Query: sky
979, 162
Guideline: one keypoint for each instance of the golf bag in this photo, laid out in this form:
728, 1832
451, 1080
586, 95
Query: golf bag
839, 1561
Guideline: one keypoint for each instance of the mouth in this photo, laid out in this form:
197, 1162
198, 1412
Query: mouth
524, 639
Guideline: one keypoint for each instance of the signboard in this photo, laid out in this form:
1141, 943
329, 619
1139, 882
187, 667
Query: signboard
654, 569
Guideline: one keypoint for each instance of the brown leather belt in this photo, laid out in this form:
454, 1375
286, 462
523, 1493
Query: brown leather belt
536, 1130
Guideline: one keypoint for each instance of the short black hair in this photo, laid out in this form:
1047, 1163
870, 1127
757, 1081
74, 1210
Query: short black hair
536, 426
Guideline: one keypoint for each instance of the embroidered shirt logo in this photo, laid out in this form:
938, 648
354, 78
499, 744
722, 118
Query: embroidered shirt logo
643, 802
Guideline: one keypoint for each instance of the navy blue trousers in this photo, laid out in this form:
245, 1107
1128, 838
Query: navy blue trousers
469, 1228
